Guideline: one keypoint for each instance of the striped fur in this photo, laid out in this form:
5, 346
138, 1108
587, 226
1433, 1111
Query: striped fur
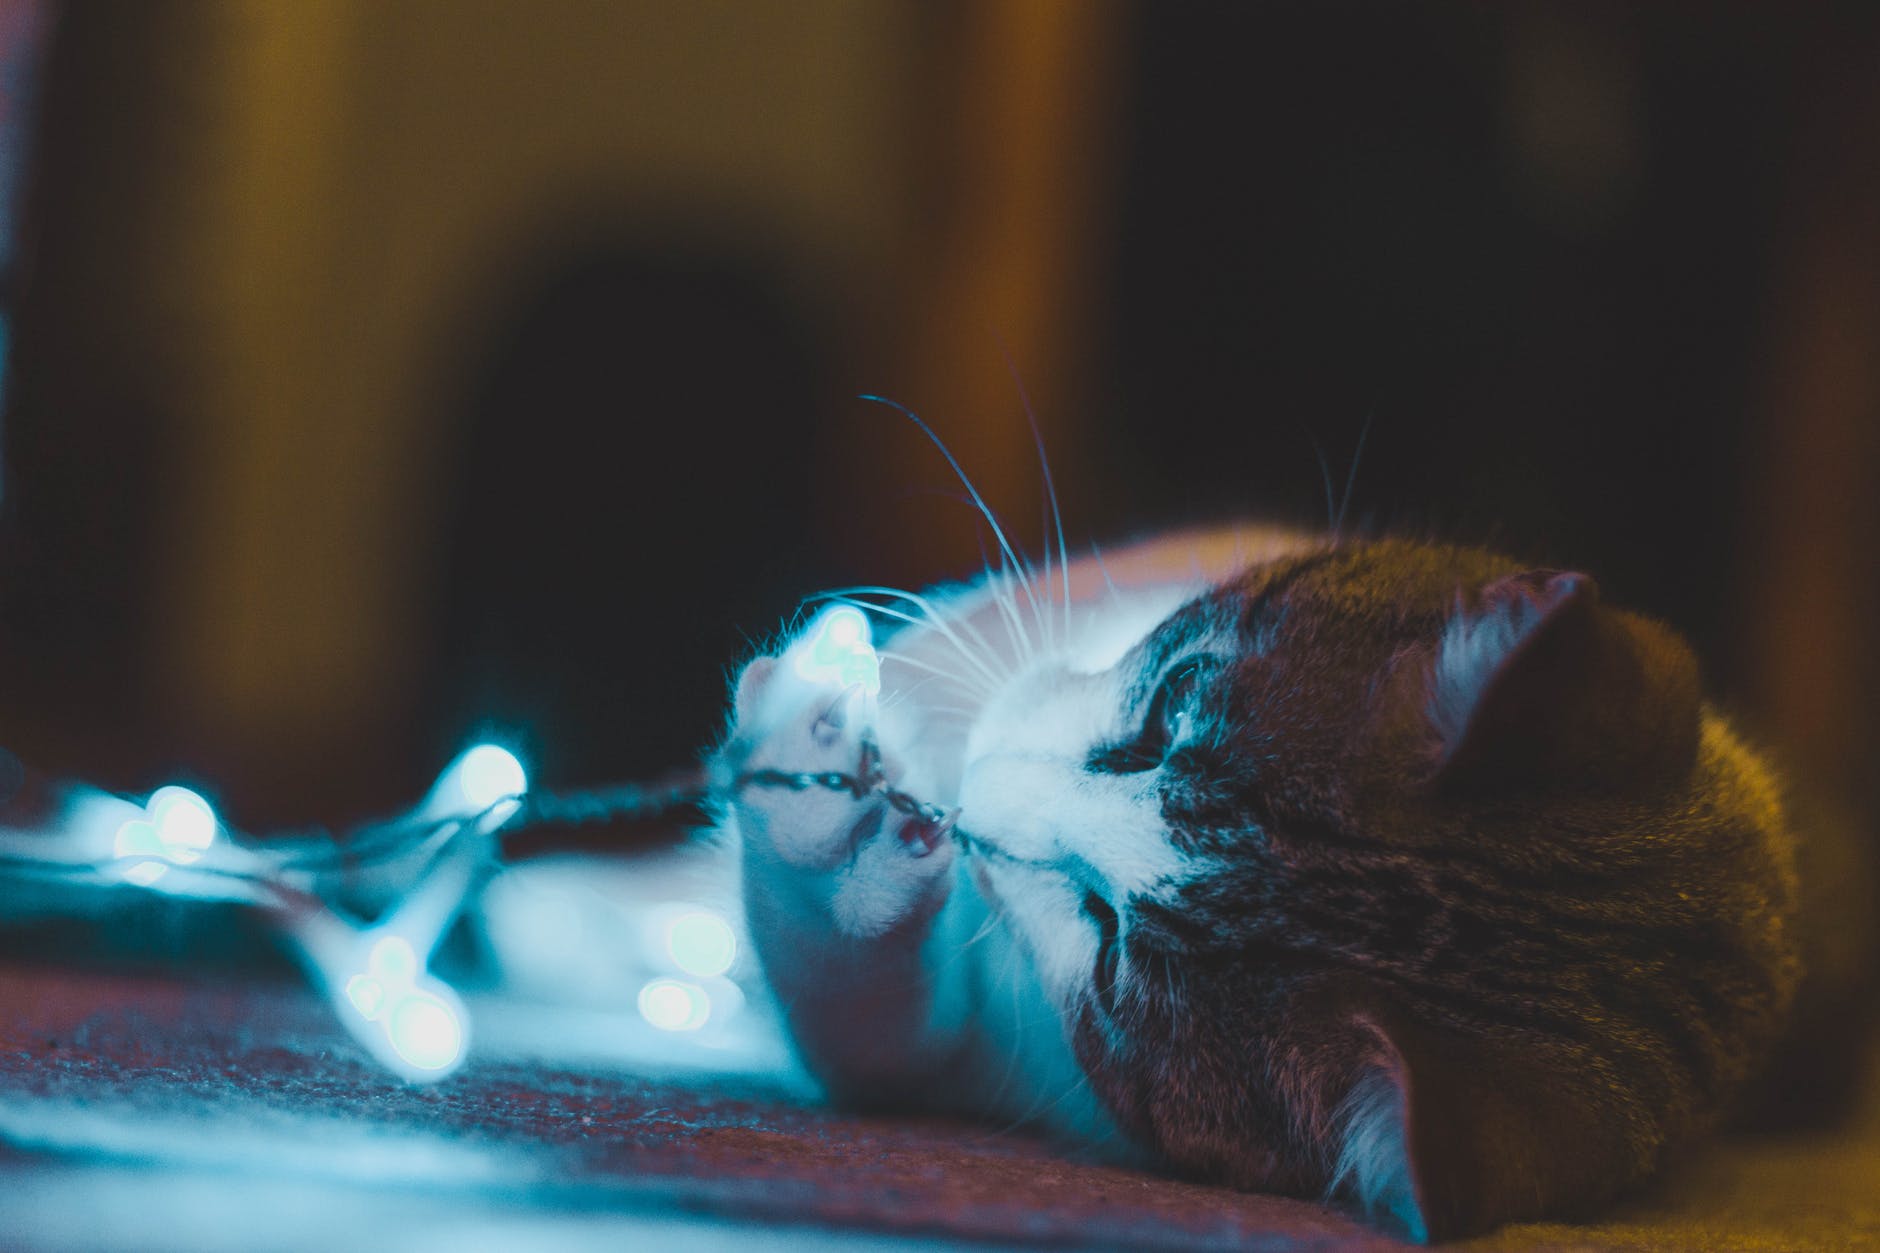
1592, 957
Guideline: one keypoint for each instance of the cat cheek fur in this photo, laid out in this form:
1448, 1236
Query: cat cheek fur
1039, 810
1033, 800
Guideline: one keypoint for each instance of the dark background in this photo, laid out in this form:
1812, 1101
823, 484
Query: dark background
385, 375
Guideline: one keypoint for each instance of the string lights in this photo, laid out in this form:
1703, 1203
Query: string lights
177, 827
839, 650
377, 974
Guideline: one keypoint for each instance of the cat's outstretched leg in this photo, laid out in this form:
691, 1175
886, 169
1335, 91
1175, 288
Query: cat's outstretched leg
841, 891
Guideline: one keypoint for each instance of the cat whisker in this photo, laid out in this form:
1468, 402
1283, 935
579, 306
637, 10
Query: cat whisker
1041, 1106
1325, 476
1023, 580
961, 951
986, 658
1014, 1039
1104, 569
960, 681
983, 848
1050, 489
992, 519
986, 928
997, 582
1351, 479
956, 711
904, 695
985, 686
1045, 514
1021, 573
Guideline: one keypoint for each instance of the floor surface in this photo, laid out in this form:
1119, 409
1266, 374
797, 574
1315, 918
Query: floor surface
151, 1113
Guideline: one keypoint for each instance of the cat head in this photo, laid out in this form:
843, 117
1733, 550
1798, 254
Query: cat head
1395, 872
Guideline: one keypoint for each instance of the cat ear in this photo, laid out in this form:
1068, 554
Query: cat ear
1440, 1139
1537, 682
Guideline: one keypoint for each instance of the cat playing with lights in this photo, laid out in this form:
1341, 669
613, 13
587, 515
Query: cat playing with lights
1383, 871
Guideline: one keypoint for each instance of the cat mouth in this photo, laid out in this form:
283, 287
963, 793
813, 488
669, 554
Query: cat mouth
983, 848
987, 860
991, 864
1002, 878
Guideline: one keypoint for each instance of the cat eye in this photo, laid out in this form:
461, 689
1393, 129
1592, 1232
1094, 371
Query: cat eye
1168, 710
1163, 725
1103, 977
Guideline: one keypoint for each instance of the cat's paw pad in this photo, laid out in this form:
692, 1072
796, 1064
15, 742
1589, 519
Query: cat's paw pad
868, 865
790, 728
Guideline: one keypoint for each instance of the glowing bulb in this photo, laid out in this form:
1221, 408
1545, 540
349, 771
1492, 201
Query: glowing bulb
701, 943
408, 1019
366, 994
184, 822
392, 959
840, 650
674, 1005
487, 774
425, 1032
177, 826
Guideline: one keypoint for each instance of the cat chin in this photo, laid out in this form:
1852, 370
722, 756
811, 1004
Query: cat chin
1041, 910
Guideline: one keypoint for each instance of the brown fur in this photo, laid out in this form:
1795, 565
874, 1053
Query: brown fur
1564, 931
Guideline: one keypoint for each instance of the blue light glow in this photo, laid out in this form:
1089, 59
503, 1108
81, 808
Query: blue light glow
487, 774
392, 959
701, 943
425, 1032
366, 994
674, 1005
184, 822
840, 649
177, 826
415, 1025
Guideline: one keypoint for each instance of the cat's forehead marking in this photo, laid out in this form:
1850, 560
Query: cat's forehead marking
1027, 792
1178, 634
1239, 616
1257, 594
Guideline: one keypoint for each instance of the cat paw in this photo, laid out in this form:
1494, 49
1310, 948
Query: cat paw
864, 865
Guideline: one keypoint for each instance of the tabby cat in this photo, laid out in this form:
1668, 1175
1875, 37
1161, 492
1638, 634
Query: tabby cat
1385, 871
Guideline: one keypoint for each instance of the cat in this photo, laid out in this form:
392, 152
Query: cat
1384, 871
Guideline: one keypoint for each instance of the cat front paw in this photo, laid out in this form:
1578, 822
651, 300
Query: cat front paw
844, 854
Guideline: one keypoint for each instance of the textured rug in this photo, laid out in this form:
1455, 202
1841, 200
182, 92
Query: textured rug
146, 1112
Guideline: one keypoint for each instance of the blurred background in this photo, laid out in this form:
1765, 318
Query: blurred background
382, 375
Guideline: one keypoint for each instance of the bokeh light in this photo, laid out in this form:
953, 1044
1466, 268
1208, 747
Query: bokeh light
177, 826
425, 1032
487, 774
406, 1017
674, 1005
701, 943
839, 649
